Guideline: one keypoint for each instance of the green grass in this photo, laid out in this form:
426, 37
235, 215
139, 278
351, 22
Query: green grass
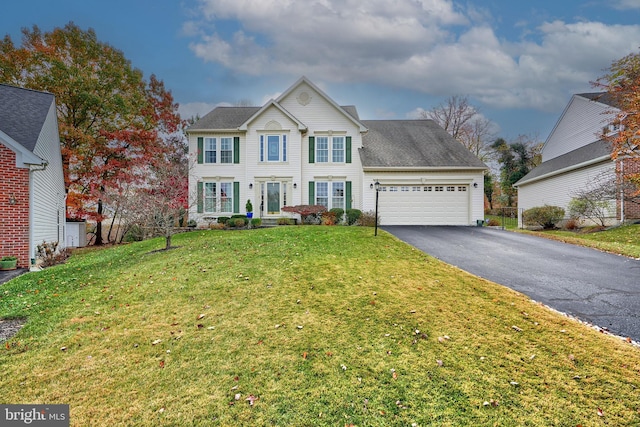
623, 240
323, 325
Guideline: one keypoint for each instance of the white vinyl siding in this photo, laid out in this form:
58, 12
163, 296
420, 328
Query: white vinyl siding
48, 215
581, 124
560, 189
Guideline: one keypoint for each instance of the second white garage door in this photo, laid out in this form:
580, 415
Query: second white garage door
424, 205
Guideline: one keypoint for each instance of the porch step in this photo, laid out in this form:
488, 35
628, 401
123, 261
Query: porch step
273, 222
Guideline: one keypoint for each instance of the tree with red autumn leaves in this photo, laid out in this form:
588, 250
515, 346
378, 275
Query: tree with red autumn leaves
622, 83
114, 125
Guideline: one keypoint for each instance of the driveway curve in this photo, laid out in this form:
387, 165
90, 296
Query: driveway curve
597, 287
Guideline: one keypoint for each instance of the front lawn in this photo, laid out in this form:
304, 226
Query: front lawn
302, 326
623, 240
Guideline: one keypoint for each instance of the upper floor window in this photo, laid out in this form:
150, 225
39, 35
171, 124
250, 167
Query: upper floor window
330, 149
218, 148
273, 148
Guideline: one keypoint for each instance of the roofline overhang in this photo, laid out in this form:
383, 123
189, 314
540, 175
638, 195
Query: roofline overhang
301, 126
563, 170
421, 168
214, 130
24, 157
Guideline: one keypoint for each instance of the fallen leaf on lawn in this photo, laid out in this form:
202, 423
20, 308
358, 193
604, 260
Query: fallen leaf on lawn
201, 316
344, 368
61, 348
251, 399
236, 378
571, 357
394, 375
235, 387
162, 364
156, 342
515, 328
304, 355
513, 383
600, 413
533, 356
439, 362
412, 311
237, 396
161, 410
629, 340
259, 342
329, 353
299, 326
200, 326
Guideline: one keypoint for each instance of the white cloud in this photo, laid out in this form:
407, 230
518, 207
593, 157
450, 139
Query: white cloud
197, 109
626, 4
428, 46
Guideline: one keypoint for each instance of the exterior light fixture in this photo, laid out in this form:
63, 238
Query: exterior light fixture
250, 186
295, 185
475, 185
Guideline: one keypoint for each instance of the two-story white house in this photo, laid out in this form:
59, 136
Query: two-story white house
303, 148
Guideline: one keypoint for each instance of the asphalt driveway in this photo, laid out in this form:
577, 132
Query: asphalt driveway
600, 288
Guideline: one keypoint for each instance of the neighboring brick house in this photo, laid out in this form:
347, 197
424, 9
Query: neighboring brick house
32, 191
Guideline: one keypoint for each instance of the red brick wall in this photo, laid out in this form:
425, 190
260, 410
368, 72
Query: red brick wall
631, 204
14, 208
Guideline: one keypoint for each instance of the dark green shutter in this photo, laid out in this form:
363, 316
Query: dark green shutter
348, 195
236, 197
312, 149
200, 195
200, 150
236, 149
312, 193
348, 149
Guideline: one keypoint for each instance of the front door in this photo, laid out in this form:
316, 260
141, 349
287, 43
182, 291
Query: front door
273, 196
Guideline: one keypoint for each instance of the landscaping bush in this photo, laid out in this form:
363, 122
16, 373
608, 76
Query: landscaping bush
545, 216
223, 219
328, 218
353, 215
309, 214
339, 214
134, 234
50, 255
368, 219
492, 222
256, 222
285, 221
242, 217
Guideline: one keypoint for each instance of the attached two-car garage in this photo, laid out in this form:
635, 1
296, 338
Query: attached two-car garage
439, 204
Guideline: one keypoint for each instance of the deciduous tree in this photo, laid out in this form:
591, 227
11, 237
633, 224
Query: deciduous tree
622, 83
112, 122
516, 159
465, 123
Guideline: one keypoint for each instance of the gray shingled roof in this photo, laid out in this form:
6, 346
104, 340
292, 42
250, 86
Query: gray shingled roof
593, 151
603, 97
23, 113
225, 118
413, 143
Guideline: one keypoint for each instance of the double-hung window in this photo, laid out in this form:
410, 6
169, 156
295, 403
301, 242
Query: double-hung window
218, 150
330, 149
273, 148
330, 194
218, 197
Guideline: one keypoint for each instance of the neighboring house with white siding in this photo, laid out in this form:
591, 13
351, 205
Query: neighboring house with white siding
304, 149
575, 157
32, 190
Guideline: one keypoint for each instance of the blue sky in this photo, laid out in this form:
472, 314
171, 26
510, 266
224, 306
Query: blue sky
518, 61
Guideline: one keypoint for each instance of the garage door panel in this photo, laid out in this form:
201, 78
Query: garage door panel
425, 207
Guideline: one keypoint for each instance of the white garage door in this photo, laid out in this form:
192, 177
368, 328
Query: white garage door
424, 205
